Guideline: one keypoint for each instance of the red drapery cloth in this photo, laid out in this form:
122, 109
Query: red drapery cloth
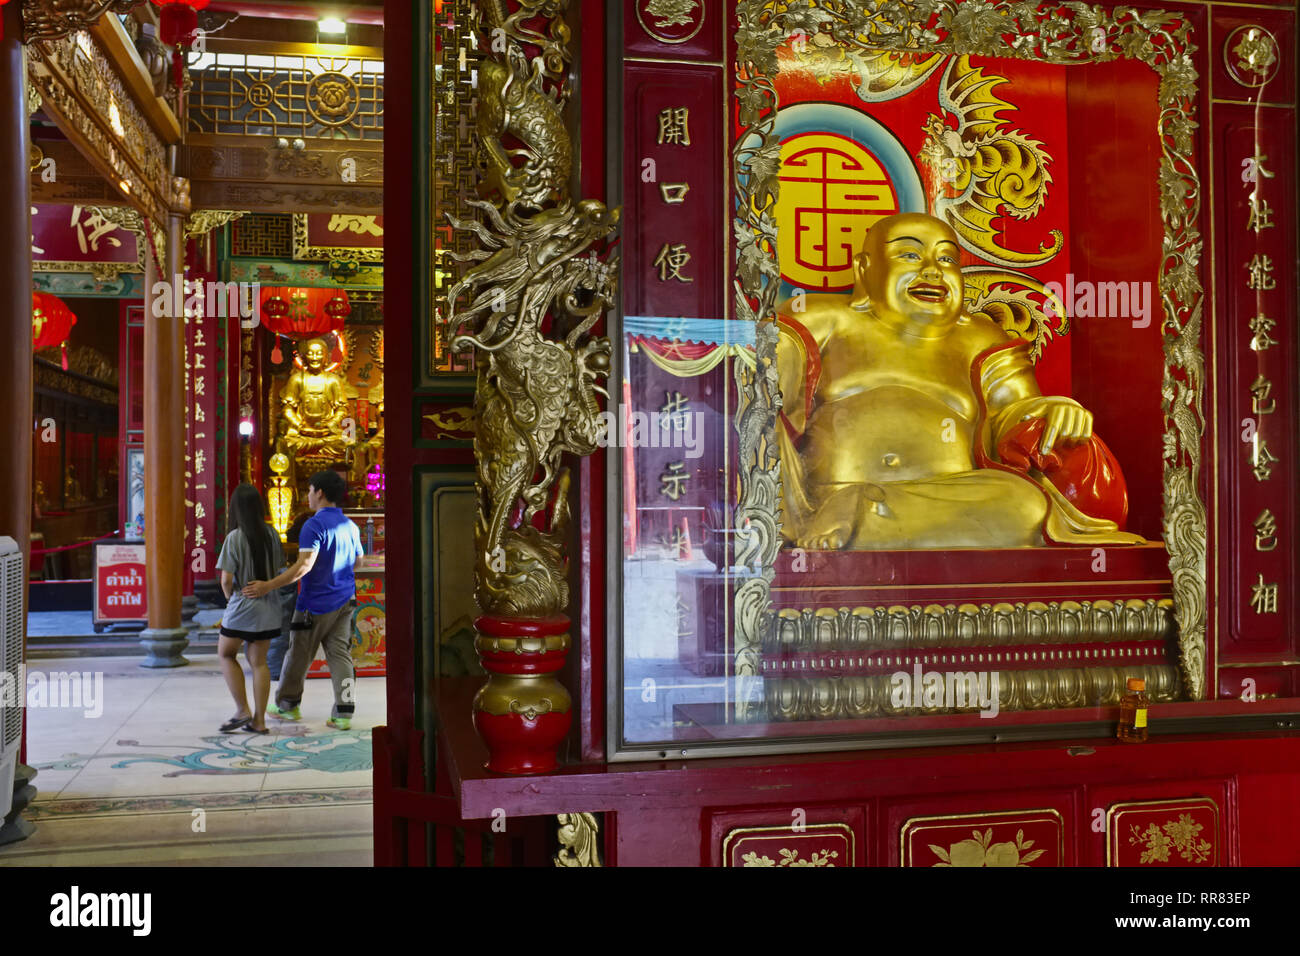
304, 313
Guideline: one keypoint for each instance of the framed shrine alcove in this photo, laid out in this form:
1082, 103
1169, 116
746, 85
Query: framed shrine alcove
1060, 147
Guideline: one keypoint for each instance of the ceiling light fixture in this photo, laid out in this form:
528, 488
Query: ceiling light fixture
331, 26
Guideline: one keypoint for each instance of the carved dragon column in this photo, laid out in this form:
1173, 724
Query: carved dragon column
535, 268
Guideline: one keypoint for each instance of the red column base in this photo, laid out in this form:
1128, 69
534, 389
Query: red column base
522, 713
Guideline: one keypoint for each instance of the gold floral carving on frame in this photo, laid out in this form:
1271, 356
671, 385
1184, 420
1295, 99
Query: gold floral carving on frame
534, 258
1066, 33
1177, 836
1251, 49
792, 855
979, 850
791, 858
203, 221
1181, 836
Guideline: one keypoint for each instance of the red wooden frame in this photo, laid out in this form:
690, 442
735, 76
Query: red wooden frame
663, 812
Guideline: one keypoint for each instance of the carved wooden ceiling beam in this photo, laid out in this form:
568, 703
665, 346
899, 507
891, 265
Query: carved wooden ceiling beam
43, 20
70, 178
252, 173
92, 85
84, 94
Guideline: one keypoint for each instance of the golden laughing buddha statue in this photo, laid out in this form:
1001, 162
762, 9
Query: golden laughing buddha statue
909, 422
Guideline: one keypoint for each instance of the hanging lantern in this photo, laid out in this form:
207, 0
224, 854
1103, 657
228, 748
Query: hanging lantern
52, 322
338, 307
178, 23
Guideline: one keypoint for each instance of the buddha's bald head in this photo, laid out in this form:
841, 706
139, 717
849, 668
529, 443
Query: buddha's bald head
909, 268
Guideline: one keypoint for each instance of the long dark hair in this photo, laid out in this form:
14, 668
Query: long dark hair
247, 514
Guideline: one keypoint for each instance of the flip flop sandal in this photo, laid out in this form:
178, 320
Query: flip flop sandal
248, 728
234, 724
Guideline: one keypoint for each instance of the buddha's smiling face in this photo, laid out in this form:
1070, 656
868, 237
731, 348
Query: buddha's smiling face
313, 355
909, 269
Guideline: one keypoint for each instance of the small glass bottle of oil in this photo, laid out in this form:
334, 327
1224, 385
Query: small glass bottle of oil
1133, 712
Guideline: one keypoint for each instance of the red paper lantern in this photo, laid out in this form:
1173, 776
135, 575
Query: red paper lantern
52, 321
2, 22
178, 21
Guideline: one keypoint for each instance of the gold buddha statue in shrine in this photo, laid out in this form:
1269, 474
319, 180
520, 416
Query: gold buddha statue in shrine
313, 404
909, 422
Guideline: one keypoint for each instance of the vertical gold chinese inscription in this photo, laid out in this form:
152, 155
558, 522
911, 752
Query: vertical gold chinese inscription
674, 193
673, 481
674, 126
1262, 460
1260, 326
670, 262
1263, 597
1261, 273
1265, 531
1260, 216
1260, 403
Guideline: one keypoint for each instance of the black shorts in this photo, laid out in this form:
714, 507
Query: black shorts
249, 635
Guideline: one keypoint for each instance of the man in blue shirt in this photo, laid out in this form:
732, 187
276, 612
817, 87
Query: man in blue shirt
329, 552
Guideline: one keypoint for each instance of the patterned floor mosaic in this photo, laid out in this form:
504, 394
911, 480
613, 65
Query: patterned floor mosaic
145, 778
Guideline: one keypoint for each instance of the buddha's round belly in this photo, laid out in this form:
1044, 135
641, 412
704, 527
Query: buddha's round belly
886, 434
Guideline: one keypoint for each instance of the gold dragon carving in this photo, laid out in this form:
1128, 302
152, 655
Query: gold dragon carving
897, 46
989, 168
535, 261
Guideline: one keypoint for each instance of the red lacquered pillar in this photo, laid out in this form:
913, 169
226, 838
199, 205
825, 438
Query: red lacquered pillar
522, 713
164, 463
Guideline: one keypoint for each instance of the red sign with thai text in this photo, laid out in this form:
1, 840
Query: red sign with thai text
119, 583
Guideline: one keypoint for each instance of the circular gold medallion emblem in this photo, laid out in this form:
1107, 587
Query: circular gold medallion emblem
670, 21
332, 98
1250, 54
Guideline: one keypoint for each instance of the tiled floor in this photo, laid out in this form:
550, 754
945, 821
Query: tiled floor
151, 780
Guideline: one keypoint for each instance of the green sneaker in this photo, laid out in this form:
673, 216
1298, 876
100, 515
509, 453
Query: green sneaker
339, 723
293, 713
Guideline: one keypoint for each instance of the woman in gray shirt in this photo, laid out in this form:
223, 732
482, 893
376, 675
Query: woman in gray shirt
251, 552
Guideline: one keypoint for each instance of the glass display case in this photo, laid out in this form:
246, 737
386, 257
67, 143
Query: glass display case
912, 433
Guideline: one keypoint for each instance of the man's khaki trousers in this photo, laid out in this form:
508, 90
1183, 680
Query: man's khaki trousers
334, 630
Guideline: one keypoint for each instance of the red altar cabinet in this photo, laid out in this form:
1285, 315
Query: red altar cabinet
868, 402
